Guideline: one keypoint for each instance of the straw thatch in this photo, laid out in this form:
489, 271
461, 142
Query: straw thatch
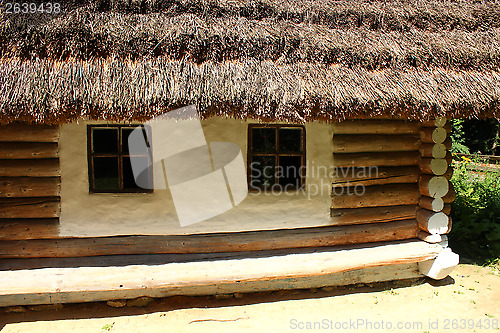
286, 60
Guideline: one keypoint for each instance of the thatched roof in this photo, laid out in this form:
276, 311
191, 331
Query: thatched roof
287, 60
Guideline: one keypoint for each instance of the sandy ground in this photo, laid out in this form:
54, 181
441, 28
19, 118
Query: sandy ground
467, 301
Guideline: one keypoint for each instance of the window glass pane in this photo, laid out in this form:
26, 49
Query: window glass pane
290, 140
105, 140
106, 173
263, 171
264, 140
125, 134
290, 170
144, 179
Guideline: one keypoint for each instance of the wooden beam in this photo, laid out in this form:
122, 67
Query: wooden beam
433, 166
266, 271
432, 222
433, 186
376, 127
44, 207
13, 187
374, 143
432, 204
215, 242
376, 196
347, 216
376, 159
450, 196
433, 150
20, 229
375, 176
433, 134
30, 168
28, 133
26, 150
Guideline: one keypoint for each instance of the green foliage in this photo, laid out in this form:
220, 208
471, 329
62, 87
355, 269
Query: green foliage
457, 137
476, 213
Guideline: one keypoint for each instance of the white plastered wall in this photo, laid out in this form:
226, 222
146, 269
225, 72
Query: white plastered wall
103, 214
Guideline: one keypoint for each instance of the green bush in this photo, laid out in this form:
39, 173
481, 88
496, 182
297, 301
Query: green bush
476, 212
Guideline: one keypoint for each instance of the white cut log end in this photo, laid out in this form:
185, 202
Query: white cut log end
441, 266
429, 238
434, 186
433, 204
439, 135
434, 223
439, 150
440, 122
439, 166
444, 241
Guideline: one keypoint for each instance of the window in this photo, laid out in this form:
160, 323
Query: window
276, 156
110, 169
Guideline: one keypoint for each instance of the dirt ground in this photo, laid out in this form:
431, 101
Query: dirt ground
467, 301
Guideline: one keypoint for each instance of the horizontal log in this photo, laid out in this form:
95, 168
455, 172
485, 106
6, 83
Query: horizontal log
30, 168
433, 134
374, 143
45, 207
433, 150
78, 281
19, 229
449, 172
447, 209
429, 238
213, 242
376, 196
12, 187
347, 216
432, 222
28, 133
432, 204
438, 122
376, 127
433, 186
24, 150
450, 196
376, 159
375, 176
433, 166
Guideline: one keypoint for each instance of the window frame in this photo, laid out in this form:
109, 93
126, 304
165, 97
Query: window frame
276, 154
119, 154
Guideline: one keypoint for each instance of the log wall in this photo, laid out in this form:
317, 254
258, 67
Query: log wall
391, 170
386, 211
29, 182
377, 163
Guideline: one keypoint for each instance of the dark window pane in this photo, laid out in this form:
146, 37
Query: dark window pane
264, 140
143, 179
105, 140
106, 173
125, 134
289, 170
290, 140
263, 171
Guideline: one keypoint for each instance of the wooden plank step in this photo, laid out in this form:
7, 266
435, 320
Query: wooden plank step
266, 272
43, 207
28, 133
30, 168
215, 242
24, 150
16, 187
18, 229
